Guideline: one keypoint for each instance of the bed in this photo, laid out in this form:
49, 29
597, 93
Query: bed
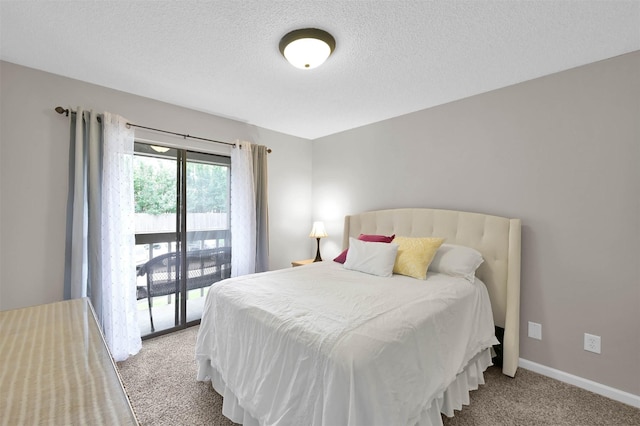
324, 344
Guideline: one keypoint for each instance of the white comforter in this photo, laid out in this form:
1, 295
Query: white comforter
322, 345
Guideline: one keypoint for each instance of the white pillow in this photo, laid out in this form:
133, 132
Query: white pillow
371, 258
457, 261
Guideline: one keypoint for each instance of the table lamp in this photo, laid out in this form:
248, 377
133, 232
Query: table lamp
317, 232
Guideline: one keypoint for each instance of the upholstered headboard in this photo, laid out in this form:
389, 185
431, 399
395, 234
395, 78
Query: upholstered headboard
497, 238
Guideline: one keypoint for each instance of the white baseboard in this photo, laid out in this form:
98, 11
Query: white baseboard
600, 389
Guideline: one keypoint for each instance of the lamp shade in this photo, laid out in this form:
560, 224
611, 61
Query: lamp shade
307, 48
318, 231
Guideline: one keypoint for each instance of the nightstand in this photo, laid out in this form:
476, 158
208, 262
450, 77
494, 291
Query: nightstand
301, 262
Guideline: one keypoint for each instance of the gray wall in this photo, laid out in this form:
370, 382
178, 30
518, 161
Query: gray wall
559, 152
34, 150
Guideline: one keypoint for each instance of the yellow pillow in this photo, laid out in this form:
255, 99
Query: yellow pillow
415, 255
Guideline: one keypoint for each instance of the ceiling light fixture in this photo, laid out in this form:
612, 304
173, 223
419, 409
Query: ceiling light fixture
157, 148
307, 48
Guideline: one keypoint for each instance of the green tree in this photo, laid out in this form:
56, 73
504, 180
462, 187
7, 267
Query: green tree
154, 182
154, 185
207, 188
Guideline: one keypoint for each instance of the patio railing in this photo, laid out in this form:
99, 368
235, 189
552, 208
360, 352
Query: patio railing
162, 245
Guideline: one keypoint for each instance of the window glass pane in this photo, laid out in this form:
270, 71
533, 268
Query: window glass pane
162, 281
208, 237
155, 189
207, 196
155, 192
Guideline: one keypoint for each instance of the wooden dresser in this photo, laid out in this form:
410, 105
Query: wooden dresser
55, 368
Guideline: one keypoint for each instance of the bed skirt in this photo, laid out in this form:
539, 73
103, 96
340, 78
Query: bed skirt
453, 398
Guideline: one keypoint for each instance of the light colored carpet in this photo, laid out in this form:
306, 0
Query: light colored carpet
160, 381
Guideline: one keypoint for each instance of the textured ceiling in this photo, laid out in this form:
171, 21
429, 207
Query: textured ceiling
391, 57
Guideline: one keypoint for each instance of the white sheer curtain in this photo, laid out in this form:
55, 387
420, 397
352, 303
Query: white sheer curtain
243, 211
119, 312
100, 235
249, 209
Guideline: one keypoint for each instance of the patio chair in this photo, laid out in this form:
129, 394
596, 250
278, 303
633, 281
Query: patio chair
203, 268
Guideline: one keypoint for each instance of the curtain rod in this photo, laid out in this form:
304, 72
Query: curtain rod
61, 110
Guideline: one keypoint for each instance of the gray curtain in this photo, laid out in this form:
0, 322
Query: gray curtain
259, 153
84, 220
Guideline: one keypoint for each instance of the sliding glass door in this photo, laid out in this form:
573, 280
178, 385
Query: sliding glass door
183, 242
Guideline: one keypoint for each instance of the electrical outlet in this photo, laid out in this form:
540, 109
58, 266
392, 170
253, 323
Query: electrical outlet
535, 330
591, 343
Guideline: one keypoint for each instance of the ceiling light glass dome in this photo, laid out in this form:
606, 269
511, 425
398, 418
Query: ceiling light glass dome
307, 48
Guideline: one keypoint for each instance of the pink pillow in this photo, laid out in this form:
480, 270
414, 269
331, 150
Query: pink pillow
342, 257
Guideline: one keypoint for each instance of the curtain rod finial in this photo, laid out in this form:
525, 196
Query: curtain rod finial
61, 110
